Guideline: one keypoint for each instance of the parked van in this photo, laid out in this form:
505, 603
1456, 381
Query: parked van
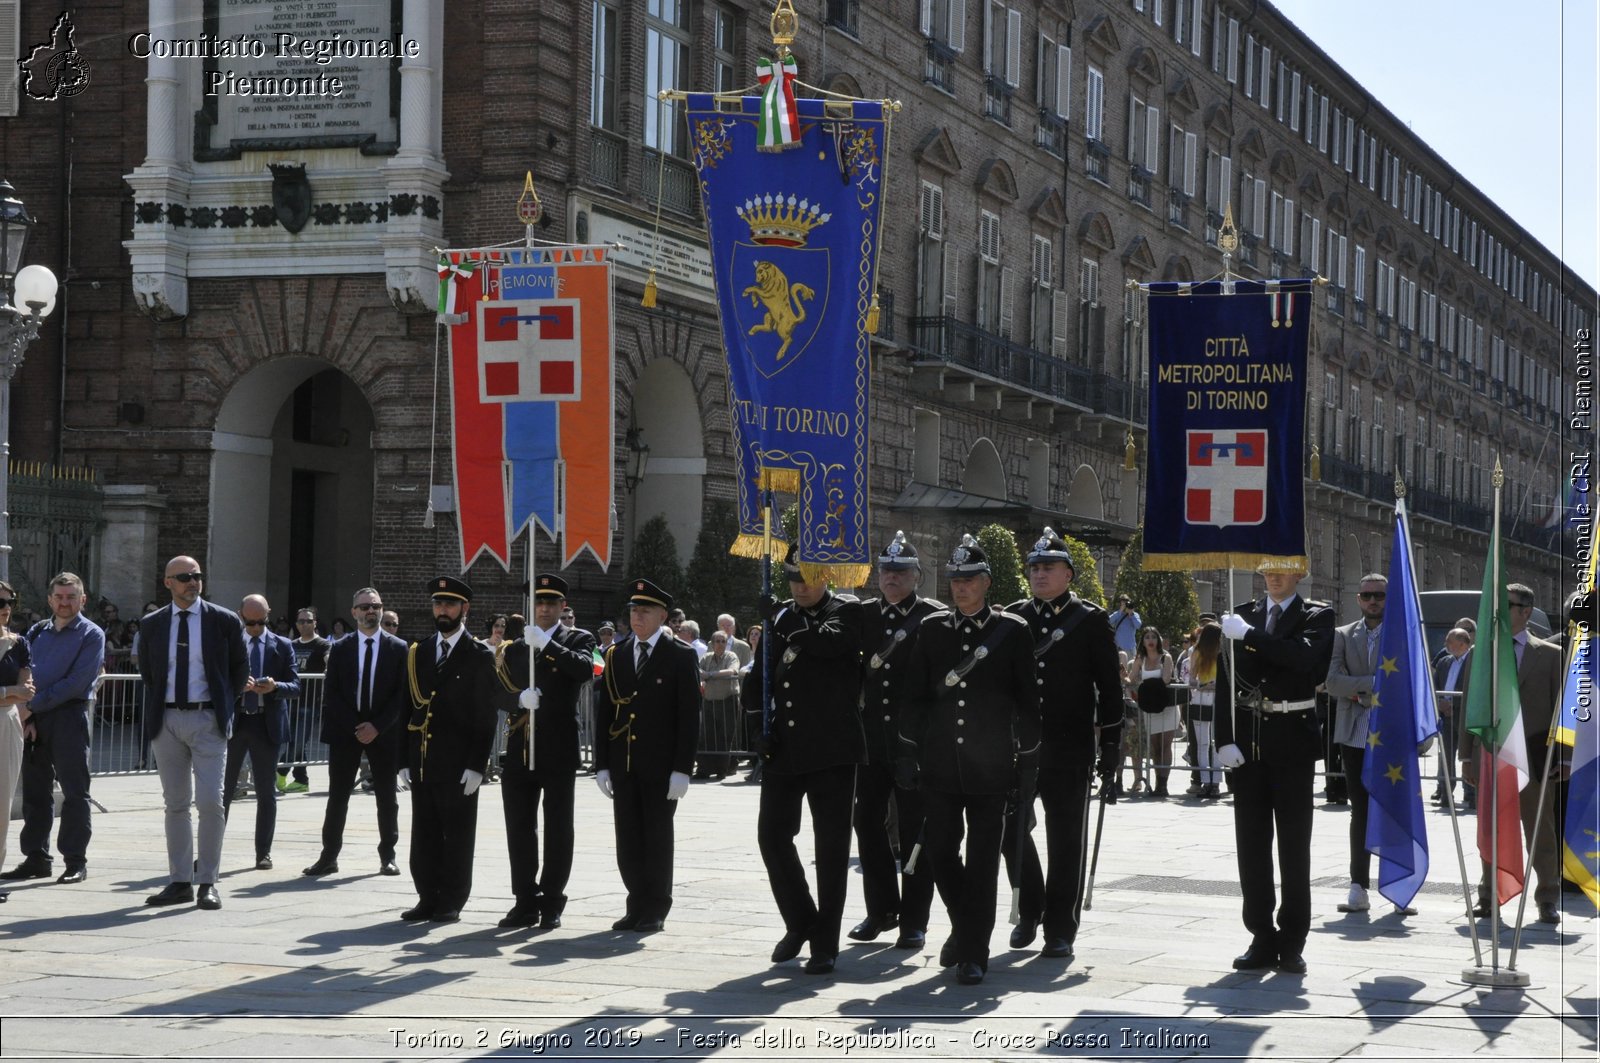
1441, 610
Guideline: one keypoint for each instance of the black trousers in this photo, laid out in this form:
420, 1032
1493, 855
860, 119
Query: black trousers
1057, 901
1354, 759
830, 793
61, 755
886, 893
250, 739
520, 793
1272, 799
344, 758
968, 887
643, 818
444, 835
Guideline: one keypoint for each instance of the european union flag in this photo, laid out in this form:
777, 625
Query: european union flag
1403, 716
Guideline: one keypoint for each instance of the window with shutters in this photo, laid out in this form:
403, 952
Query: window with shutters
724, 44
1219, 189
1328, 434
1091, 315
989, 236
1264, 93
1310, 243
990, 283
1249, 66
1096, 153
1055, 95
1002, 59
1043, 262
1197, 18
943, 23
1352, 412
666, 67
603, 85
1144, 142
1377, 452
1042, 301
1252, 220
934, 287
1134, 368
1182, 148
1337, 257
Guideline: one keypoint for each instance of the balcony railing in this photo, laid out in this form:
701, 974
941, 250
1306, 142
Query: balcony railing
1213, 226
1335, 300
939, 67
1178, 209
1052, 133
1247, 249
1139, 184
607, 151
1095, 155
997, 99
1402, 339
1358, 312
1381, 326
678, 190
1425, 352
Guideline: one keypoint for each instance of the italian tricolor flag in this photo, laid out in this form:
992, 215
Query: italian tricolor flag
1494, 715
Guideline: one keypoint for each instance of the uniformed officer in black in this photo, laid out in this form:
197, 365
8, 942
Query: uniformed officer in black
646, 716
888, 630
811, 742
449, 739
969, 727
1079, 679
547, 707
1270, 741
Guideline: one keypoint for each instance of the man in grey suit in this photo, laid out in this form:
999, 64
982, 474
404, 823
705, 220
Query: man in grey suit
1539, 682
194, 665
1349, 683
1448, 676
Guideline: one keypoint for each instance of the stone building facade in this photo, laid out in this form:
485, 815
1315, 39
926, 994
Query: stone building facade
274, 400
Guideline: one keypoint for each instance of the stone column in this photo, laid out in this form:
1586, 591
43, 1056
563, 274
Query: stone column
130, 570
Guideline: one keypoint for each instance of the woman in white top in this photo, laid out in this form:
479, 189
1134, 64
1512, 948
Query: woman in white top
1153, 662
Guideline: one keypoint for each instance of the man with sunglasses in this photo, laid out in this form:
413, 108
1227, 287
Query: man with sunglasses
1350, 680
261, 723
194, 664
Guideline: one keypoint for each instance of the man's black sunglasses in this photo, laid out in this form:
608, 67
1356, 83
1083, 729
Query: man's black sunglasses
189, 577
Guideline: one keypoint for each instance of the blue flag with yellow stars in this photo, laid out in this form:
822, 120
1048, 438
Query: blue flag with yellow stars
1403, 716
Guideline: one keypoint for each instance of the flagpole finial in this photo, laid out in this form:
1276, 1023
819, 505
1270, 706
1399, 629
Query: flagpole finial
1399, 485
785, 26
1499, 477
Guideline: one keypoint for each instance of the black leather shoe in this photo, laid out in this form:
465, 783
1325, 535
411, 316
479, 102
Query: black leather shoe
446, 915
32, 867
1256, 958
1056, 948
208, 898
388, 867
1293, 963
519, 916
73, 873
325, 865
788, 946
1548, 912
969, 973
650, 926
175, 893
264, 862
820, 965
627, 922
910, 939
1023, 933
550, 921
421, 913
947, 952
4, 896
1480, 910
873, 925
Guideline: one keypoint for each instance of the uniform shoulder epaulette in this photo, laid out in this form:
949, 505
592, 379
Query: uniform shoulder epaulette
936, 603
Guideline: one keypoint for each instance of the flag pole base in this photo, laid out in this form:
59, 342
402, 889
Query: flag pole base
1495, 978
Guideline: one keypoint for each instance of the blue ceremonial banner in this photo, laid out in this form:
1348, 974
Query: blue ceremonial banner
1403, 716
794, 239
1578, 728
1227, 424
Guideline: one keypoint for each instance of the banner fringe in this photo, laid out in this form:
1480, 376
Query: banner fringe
773, 478
1221, 559
751, 545
838, 575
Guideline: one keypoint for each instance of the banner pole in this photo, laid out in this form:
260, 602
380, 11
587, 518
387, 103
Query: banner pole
766, 632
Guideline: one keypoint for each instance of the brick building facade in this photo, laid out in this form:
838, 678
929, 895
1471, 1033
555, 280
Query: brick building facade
273, 391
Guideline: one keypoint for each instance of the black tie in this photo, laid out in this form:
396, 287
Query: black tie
1273, 615
365, 700
180, 680
255, 670
644, 655
444, 651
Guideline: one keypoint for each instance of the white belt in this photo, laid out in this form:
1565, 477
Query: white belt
1288, 706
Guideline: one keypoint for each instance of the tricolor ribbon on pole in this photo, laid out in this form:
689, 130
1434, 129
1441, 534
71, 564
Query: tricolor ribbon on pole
779, 125
452, 269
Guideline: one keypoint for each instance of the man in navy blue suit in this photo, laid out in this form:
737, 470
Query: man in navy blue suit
193, 662
261, 723
364, 706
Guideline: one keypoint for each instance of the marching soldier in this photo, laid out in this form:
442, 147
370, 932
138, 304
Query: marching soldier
1271, 743
811, 745
450, 737
888, 631
1078, 677
646, 714
542, 753
969, 728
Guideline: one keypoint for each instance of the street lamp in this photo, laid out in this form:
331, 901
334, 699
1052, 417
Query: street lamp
30, 295
638, 458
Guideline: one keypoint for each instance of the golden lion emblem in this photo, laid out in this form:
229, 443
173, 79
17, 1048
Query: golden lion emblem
785, 310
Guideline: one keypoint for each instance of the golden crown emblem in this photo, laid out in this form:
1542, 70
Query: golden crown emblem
781, 221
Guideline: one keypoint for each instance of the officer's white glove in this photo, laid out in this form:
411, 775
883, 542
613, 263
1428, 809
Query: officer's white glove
602, 779
529, 699
538, 637
470, 781
1234, 626
1425, 746
1230, 756
677, 786
404, 776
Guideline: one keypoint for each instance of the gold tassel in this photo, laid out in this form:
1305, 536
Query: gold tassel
777, 479
1130, 454
872, 320
1316, 463
753, 546
1220, 559
649, 300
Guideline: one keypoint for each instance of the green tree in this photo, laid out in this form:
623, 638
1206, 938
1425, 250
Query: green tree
1005, 564
1164, 599
718, 582
655, 556
1086, 574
